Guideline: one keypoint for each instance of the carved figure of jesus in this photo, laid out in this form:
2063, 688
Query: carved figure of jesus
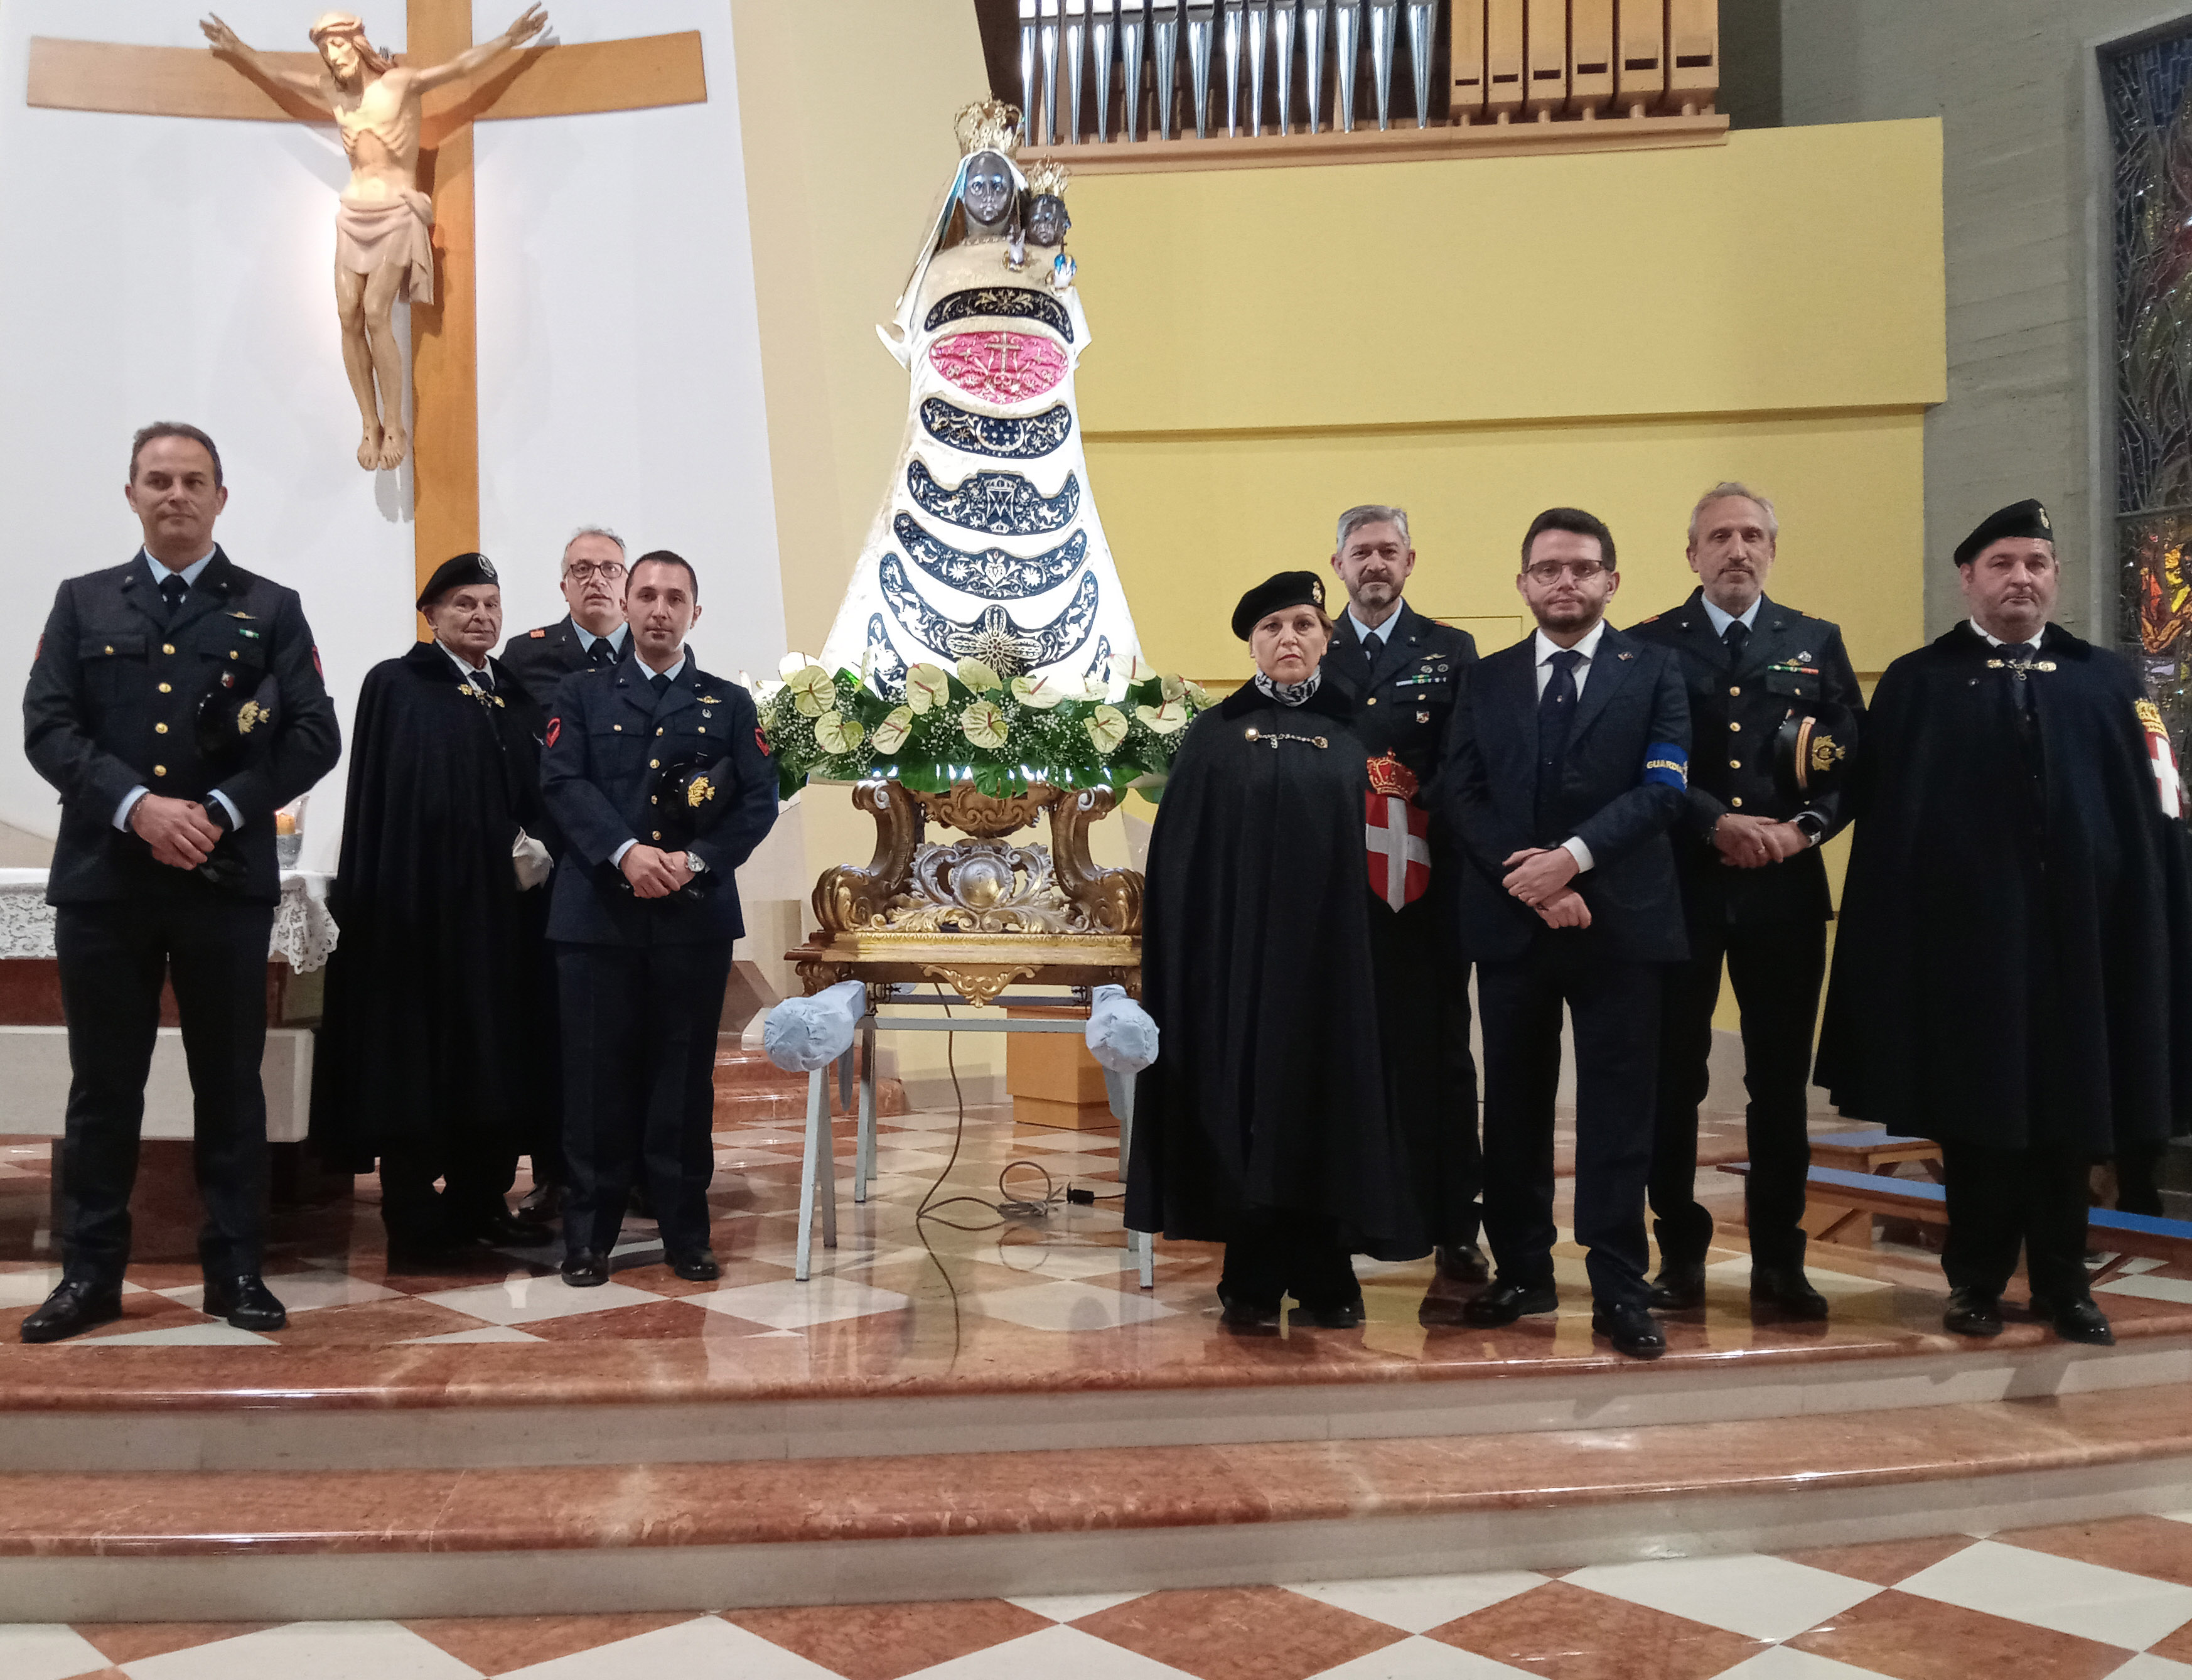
383, 224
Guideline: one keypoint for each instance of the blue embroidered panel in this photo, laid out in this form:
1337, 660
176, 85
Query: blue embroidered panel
992, 574
1012, 303
1666, 764
996, 638
997, 435
1003, 504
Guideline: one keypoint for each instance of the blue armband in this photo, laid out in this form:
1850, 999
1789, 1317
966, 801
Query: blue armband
1667, 764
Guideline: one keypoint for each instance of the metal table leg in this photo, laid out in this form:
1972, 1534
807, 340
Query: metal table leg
827, 1159
1120, 1087
818, 1146
864, 1154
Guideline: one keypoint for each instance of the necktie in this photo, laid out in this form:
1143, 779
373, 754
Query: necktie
1371, 644
484, 681
603, 653
660, 683
173, 589
2021, 682
1555, 716
1736, 636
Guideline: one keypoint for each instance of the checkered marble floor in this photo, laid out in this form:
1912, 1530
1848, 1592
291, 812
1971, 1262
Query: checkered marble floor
2079, 1602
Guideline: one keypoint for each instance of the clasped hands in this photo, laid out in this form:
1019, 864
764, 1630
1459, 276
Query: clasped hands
654, 873
179, 831
1540, 877
1753, 843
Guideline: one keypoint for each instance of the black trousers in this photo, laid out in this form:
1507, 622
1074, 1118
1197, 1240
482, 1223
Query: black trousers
476, 1174
1274, 1253
639, 1093
1776, 971
1615, 1006
2001, 1199
113, 959
2138, 1179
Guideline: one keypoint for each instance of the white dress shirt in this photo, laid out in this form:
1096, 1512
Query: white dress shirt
1365, 635
1747, 619
474, 674
189, 574
615, 638
1546, 648
1995, 641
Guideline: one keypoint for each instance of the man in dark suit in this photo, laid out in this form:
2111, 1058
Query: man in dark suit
1754, 894
1401, 669
1566, 764
175, 702
592, 633
643, 924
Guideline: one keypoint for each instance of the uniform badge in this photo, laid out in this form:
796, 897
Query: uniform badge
761, 741
555, 728
2163, 760
539, 634
316, 670
1397, 832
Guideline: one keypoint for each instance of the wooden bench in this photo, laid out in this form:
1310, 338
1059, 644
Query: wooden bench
2124, 1237
1874, 1151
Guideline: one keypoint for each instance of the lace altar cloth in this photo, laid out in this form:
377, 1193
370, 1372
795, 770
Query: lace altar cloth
303, 932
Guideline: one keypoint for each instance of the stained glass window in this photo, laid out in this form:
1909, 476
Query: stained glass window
2148, 92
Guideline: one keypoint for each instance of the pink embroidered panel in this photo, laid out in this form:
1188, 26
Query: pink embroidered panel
999, 367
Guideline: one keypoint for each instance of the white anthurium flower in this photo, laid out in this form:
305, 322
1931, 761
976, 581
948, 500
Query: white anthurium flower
926, 686
1171, 687
793, 661
811, 691
836, 734
1039, 692
1134, 669
982, 724
979, 677
1107, 728
1198, 696
1168, 719
890, 734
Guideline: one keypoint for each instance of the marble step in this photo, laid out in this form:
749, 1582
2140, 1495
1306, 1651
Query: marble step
750, 1086
278, 1545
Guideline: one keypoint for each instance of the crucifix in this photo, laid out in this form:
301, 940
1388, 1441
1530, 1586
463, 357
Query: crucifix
633, 74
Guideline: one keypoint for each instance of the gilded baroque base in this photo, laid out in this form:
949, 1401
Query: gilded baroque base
978, 915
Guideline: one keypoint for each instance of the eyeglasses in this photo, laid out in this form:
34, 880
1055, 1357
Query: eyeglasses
1550, 571
608, 571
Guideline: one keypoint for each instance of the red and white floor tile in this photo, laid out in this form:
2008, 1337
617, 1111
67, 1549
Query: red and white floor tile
2104, 1601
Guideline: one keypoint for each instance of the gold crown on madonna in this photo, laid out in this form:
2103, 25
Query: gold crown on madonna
1048, 175
988, 125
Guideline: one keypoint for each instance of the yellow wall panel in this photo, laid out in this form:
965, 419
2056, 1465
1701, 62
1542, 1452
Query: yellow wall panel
1789, 268
1193, 521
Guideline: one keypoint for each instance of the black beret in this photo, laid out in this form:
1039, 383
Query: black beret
2025, 518
458, 572
1275, 594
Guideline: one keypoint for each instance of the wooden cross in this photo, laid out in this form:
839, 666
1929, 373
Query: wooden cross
635, 74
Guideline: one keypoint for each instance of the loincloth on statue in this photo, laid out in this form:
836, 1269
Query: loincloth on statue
389, 232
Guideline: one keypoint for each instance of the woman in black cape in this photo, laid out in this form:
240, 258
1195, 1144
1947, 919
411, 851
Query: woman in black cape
1264, 1123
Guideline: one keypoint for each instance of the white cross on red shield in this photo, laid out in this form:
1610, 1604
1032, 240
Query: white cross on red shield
1398, 835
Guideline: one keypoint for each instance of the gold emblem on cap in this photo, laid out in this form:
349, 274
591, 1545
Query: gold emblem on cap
249, 716
699, 792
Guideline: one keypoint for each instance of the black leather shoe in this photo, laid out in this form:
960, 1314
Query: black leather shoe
698, 1267
1348, 1316
2075, 1321
75, 1306
1504, 1303
1972, 1314
245, 1301
1786, 1290
542, 1201
1464, 1264
1249, 1318
1681, 1286
499, 1228
585, 1269
1632, 1329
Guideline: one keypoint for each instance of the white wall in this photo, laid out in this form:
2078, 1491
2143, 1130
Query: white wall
164, 268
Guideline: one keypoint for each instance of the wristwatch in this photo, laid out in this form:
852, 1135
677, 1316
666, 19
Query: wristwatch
695, 864
1810, 825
